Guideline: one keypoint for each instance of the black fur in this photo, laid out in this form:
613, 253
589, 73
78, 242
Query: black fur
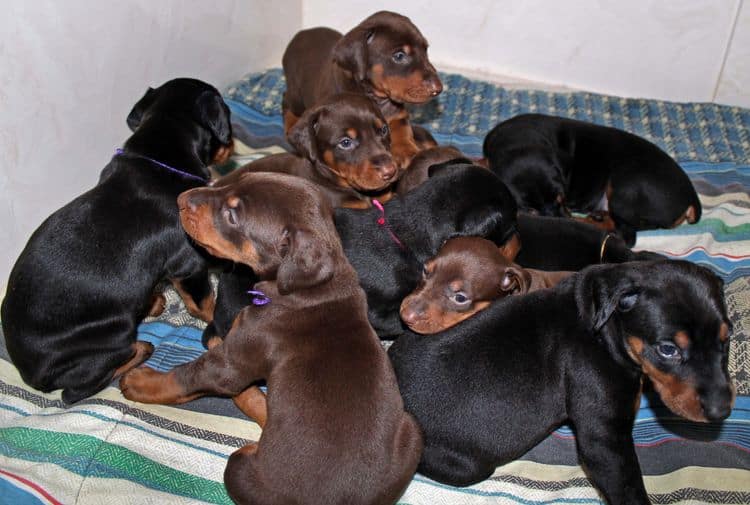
85, 279
492, 387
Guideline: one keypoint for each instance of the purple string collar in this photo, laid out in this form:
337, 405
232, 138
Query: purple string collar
121, 152
259, 297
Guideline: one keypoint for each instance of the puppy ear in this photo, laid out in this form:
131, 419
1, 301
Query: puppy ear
213, 114
599, 291
305, 261
302, 135
515, 281
136, 114
350, 52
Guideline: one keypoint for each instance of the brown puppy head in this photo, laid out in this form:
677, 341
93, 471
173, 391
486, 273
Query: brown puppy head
418, 170
465, 276
668, 319
347, 139
387, 53
278, 224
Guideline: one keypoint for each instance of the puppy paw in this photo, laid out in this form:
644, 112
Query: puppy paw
142, 384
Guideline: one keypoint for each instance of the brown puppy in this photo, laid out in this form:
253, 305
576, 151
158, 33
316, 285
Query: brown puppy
336, 430
384, 57
466, 275
343, 146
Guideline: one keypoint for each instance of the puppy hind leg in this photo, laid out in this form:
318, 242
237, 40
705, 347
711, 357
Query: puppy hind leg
252, 403
197, 294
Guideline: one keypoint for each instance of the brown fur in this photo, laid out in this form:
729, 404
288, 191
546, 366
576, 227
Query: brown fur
477, 269
324, 366
320, 62
348, 177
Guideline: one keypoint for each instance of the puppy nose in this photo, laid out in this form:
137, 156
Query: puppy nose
717, 406
434, 85
185, 202
717, 412
411, 312
386, 167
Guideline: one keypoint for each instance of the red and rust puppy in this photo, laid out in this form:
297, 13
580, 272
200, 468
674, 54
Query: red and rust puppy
343, 146
384, 57
330, 424
575, 353
418, 170
466, 275
86, 277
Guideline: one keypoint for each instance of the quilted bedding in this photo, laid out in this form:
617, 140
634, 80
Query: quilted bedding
108, 449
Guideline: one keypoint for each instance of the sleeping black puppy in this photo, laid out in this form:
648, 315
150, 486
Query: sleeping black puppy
86, 277
555, 165
556, 243
488, 390
387, 248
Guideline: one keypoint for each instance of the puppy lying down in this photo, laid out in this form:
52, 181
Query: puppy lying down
466, 275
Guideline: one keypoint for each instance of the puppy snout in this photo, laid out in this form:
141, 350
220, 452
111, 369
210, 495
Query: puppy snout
186, 201
718, 406
411, 312
434, 85
386, 167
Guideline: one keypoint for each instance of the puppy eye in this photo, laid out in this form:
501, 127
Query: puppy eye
346, 143
384, 130
627, 302
399, 57
230, 216
668, 350
425, 272
460, 298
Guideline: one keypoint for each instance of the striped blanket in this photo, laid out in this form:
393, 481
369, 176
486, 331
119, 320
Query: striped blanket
107, 449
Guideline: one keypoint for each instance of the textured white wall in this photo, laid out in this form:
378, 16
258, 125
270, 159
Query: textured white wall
71, 70
671, 50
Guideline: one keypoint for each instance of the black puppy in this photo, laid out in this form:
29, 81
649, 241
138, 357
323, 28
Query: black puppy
502, 380
85, 279
554, 165
387, 249
556, 243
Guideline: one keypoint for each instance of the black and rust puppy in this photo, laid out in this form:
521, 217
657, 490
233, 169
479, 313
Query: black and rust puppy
555, 165
86, 277
556, 243
387, 248
384, 57
332, 434
466, 275
575, 353
343, 145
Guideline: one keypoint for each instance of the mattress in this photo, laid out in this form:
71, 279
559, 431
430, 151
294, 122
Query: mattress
108, 449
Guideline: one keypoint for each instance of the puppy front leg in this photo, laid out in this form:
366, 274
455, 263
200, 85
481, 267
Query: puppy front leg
605, 447
226, 369
212, 373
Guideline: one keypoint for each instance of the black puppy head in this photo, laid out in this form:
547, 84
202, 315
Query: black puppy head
670, 320
279, 225
389, 53
190, 100
348, 138
536, 179
463, 200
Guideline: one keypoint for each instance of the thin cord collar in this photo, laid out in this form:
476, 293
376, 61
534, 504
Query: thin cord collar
123, 152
